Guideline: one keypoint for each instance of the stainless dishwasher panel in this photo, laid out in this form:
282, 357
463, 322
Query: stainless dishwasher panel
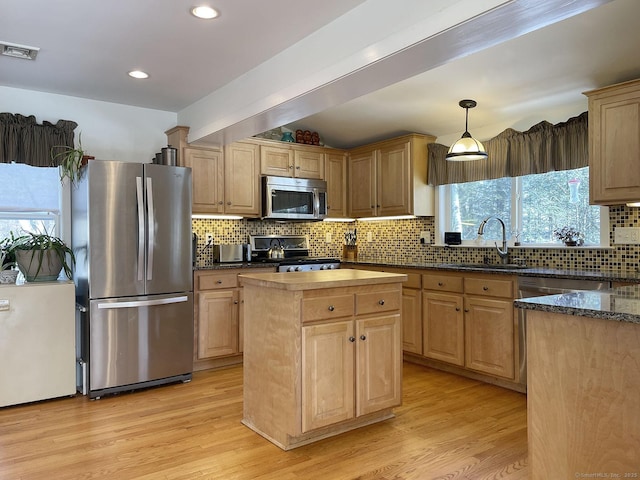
135, 340
539, 287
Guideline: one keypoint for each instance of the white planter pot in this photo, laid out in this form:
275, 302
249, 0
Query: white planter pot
35, 271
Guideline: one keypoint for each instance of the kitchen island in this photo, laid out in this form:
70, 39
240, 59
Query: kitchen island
322, 352
584, 384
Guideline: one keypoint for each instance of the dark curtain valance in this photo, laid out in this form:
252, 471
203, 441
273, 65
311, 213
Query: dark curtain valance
24, 141
543, 148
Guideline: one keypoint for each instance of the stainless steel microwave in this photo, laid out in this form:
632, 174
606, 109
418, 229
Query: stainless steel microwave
285, 198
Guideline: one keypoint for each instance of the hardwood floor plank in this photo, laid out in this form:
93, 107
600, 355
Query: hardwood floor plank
448, 427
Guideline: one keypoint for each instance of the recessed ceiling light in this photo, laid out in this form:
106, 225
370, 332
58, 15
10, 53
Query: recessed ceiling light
204, 12
138, 74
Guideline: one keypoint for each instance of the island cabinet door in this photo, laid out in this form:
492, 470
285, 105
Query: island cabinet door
379, 363
327, 374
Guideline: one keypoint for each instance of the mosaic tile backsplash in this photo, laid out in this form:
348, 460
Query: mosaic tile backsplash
397, 241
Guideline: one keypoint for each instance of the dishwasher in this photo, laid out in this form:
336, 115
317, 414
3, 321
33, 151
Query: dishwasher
538, 287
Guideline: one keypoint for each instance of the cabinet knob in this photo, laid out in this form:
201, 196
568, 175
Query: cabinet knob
290, 167
485, 288
298, 167
363, 337
352, 339
457, 309
219, 282
377, 206
220, 202
372, 206
235, 302
331, 308
440, 284
381, 301
228, 203
466, 310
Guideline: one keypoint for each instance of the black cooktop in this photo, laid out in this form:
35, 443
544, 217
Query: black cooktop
297, 260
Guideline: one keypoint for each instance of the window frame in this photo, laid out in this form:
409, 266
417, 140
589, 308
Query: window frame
443, 221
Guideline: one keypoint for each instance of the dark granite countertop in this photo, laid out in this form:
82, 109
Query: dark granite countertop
609, 276
228, 266
620, 304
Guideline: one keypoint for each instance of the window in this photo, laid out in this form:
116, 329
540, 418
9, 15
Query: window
30, 200
531, 208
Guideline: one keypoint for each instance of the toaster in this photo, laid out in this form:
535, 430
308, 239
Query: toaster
228, 253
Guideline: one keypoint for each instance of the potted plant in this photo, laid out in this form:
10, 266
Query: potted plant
569, 235
7, 261
41, 257
70, 160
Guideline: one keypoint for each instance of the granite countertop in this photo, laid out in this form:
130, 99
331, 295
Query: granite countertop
320, 279
620, 304
228, 266
603, 275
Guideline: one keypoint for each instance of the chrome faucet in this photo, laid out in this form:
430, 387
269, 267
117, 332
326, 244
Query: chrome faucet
504, 251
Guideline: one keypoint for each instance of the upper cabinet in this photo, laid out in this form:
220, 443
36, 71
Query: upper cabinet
614, 144
390, 178
291, 160
335, 168
224, 181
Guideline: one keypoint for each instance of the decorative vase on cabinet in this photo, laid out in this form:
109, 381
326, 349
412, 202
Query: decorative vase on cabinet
287, 137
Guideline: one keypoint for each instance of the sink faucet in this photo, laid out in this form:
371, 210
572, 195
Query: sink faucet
504, 251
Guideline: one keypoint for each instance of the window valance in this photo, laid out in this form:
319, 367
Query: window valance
543, 148
22, 140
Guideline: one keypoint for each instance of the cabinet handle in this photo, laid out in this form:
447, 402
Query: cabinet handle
220, 202
381, 302
331, 308
363, 337
228, 203
372, 206
290, 167
352, 339
377, 206
457, 309
485, 288
298, 168
219, 282
235, 302
440, 284
466, 310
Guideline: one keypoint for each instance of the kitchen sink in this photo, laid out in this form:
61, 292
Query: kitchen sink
487, 266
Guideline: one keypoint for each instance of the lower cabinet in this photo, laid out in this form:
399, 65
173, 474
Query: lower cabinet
219, 316
339, 355
443, 327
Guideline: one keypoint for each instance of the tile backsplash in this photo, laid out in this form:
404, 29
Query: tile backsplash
397, 241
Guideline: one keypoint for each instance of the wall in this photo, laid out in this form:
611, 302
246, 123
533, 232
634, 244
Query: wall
109, 131
397, 242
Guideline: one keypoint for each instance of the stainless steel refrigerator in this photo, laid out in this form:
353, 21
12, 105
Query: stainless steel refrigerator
131, 234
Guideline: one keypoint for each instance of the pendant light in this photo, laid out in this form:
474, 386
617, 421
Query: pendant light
467, 148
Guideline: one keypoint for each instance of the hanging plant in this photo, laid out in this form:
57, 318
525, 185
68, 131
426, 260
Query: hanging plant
70, 160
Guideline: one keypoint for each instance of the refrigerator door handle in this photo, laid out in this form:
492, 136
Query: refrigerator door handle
142, 303
140, 202
152, 228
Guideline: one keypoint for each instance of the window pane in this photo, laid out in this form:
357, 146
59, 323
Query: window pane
472, 202
557, 199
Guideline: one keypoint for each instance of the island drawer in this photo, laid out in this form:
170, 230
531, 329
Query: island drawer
382, 301
211, 281
323, 308
488, 287
445, 283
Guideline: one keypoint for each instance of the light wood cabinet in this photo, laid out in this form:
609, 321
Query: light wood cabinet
614, 144
207, 176
292, 160
468, 320
412, 320
219, 317
336, 175
390, 178
241, 180
335, 356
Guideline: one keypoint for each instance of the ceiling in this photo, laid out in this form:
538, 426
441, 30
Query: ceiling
517, 80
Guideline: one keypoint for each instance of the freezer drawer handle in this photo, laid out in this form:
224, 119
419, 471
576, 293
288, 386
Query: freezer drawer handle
143, 303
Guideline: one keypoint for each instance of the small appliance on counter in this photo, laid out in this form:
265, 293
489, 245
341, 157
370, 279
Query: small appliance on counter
229, 253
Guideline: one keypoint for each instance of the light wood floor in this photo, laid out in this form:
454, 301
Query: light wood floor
448, 428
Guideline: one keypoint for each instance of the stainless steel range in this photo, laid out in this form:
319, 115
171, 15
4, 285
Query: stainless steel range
290, 252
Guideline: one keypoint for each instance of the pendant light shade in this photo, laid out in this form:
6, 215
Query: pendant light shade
467, 148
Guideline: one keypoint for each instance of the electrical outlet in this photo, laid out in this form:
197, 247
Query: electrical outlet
424, 238
209, 239
369, 237
327, 237
627, 236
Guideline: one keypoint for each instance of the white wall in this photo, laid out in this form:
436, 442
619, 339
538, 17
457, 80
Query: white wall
109, 131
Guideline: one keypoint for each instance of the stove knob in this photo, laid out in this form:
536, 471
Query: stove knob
291, 269
331, 267
299, 269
